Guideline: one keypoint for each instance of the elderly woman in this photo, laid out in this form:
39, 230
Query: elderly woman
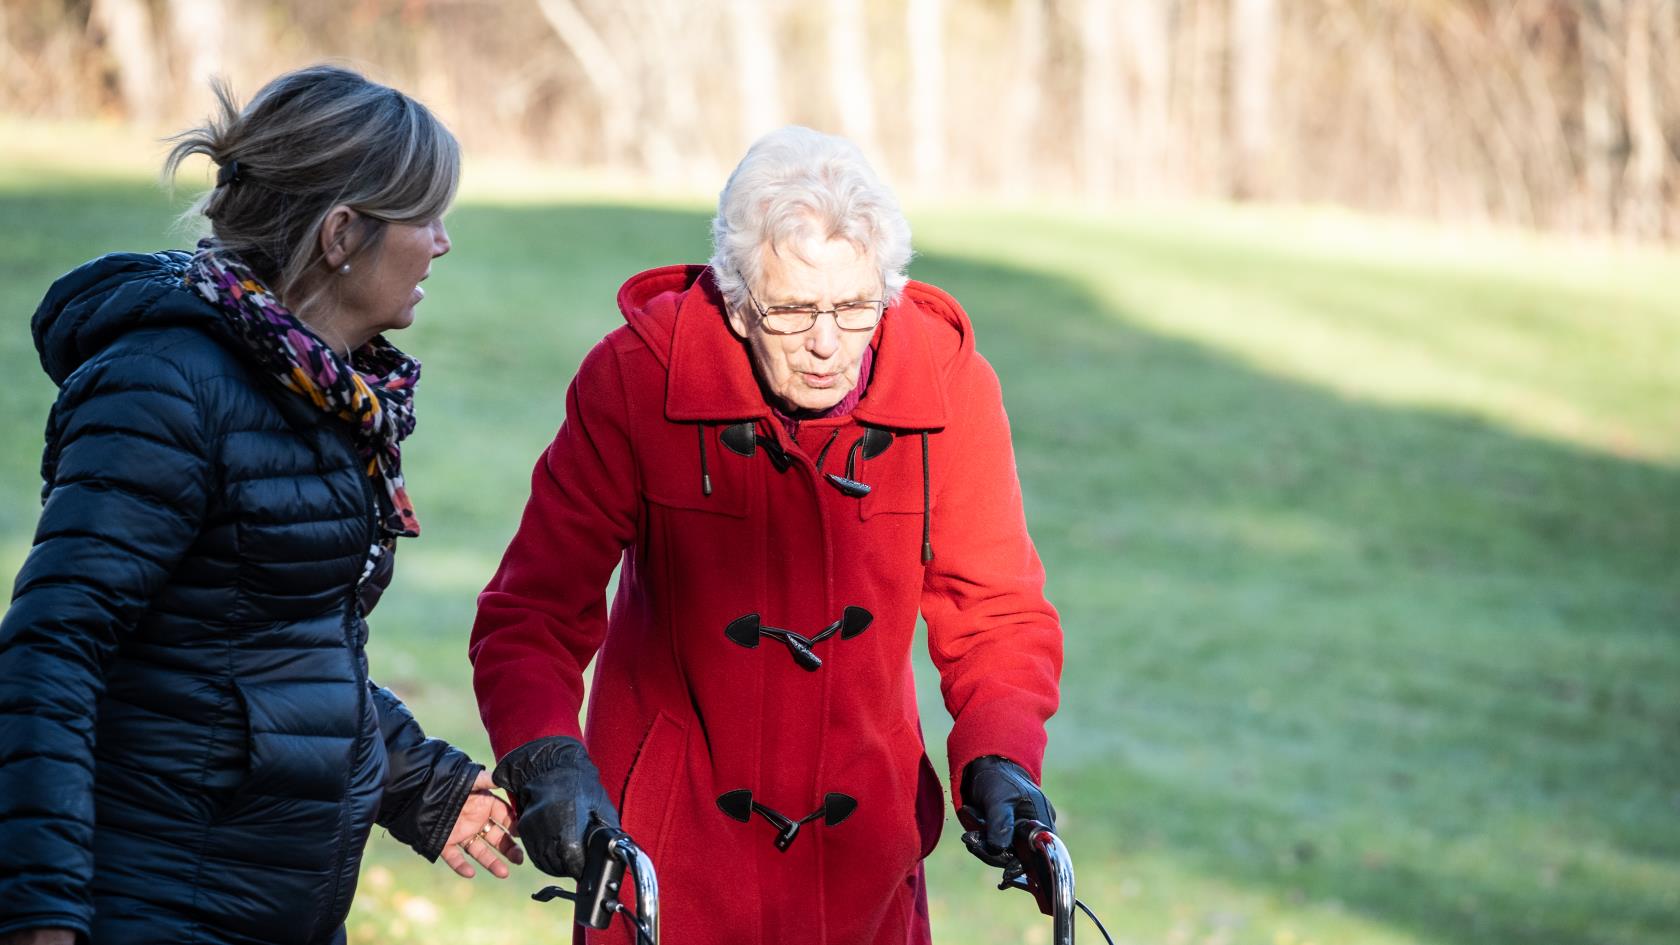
192, 750
793, 452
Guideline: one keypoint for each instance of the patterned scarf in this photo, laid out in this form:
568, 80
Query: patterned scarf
374, 391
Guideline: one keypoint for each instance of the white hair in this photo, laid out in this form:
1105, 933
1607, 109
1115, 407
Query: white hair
796, 184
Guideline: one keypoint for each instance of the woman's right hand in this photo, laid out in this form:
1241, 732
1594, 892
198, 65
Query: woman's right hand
39, 937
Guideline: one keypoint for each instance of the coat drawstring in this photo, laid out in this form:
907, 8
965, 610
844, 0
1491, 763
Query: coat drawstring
824, 454
705, 474
927, 505
856, 489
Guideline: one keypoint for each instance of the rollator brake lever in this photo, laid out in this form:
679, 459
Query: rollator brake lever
608, 852
1038, 863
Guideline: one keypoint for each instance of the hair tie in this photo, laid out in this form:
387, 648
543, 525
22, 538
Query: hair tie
228, 174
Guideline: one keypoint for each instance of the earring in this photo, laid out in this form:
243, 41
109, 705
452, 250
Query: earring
344, 270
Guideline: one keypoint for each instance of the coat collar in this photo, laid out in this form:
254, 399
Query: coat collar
711, 374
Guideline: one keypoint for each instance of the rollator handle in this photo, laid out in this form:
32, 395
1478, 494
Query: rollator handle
1033, 868
603, 876
1037, 862
607, 853
1046, 871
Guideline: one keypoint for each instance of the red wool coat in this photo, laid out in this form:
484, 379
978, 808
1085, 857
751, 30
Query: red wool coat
689, 706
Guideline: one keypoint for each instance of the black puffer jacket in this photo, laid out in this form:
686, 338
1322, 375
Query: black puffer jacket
190, 747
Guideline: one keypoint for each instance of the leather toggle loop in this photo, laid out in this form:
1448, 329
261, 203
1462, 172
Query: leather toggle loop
743, 440
739, 438
875, 442
739, 805
747, 629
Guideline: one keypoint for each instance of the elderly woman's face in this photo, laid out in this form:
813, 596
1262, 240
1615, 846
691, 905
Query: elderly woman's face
817, 368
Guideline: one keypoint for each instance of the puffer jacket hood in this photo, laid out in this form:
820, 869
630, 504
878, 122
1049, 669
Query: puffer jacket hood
99, 301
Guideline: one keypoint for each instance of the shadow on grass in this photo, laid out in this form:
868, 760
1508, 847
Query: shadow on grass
1399, 660
1403, 661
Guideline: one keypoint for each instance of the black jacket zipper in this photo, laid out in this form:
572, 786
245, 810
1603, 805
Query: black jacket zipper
340, 897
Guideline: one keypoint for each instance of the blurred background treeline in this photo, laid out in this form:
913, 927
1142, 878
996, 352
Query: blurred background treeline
1556, 114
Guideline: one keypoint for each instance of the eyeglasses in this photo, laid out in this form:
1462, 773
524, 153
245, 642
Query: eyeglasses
859, 315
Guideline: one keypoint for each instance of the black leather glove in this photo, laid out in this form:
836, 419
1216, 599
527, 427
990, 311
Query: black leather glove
996, 793
558, 793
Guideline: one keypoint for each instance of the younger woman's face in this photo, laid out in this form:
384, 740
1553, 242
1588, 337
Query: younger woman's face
380, 291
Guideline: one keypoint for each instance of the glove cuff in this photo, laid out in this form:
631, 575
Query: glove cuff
531, 761
984, 762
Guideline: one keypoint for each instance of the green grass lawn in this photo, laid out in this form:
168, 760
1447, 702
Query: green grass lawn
1365, 537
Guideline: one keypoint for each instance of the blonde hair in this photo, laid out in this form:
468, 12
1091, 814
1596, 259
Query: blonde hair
311, 140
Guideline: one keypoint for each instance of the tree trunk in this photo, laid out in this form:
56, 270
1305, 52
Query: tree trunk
1253, 69
849, 73
757, 82
925, 30
1200, 113
1642, 196
1099, 91
672, 126
129, 39
1026, 92
1665, 47
1599, 131
618, 99
197, 31
628, 128
1145, 107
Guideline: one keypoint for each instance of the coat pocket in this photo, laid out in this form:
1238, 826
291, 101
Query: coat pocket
678, 482
649, 792
895, 478
930, 806
299, 737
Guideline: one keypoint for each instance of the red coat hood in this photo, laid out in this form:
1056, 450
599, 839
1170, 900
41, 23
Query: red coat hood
678, 312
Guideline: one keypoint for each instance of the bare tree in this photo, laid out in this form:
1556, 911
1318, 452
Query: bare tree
757, 79
617, 76
197, 33
1099, 90
131, 43
925, 31
619, 99
849, 73
1550, 113
1642, 209
1144, 120
1026, 93
1599, 126
671, 120
1253, 64
1199, 94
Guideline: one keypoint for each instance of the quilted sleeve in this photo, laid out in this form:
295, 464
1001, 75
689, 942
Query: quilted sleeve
427, 781
127, 485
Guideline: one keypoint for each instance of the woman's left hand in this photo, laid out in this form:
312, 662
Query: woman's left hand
482, 833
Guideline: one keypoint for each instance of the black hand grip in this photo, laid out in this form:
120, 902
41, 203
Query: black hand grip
1033, 864
603, 876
